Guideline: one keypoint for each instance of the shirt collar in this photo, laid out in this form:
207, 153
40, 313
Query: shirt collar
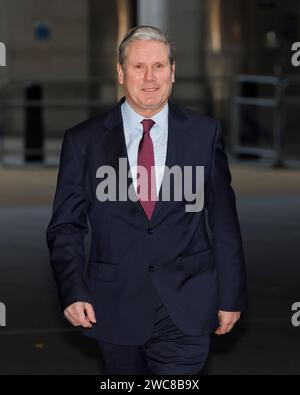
134, 119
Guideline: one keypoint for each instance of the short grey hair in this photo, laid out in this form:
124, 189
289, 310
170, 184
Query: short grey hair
147, 33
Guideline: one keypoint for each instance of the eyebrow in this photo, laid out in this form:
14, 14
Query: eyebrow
157, 61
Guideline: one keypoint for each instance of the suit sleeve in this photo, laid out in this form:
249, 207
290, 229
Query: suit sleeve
226, 234
67, 228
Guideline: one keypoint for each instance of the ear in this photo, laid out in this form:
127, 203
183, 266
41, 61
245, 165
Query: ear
173, 72
120, 72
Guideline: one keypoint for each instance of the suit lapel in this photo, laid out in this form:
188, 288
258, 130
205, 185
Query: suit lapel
115, 146
177, 138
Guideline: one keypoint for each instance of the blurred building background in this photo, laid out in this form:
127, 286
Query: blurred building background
69, 50
233, 62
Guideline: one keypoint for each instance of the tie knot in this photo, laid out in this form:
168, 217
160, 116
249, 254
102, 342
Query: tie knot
147, 125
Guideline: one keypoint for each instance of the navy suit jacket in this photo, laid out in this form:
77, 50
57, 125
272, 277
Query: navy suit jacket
193, 260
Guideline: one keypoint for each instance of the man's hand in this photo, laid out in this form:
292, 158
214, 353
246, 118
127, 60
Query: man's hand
80, 314
227, 321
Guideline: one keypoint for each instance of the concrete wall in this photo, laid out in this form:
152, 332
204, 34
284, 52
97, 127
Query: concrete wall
56, 63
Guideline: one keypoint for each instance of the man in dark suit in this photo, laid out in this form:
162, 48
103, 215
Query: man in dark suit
160, 278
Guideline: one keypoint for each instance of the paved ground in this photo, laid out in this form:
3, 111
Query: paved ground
38, 341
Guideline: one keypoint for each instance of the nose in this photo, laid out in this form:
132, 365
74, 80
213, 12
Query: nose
149, 74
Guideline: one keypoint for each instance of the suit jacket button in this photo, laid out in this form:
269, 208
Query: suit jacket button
151, 268
150, 231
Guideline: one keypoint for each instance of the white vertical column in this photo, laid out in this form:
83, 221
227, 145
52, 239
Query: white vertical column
154, 13
183, 23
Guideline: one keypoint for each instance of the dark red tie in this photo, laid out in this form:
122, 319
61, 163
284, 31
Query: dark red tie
146, 159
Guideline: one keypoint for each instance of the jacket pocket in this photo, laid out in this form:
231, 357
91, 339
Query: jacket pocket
197, 262
102, 270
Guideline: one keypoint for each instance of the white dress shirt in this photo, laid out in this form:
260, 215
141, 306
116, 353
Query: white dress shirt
133, 130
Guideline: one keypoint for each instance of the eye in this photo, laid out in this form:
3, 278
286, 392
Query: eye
159, 66
138, 66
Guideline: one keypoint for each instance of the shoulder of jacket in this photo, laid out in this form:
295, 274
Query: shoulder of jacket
196, 117
84, 131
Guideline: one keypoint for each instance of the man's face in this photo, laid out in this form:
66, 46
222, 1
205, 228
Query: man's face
147, 76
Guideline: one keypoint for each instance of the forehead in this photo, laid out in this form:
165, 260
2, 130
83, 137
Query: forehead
147, 51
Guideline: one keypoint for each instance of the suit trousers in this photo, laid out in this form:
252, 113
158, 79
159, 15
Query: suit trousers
168, 351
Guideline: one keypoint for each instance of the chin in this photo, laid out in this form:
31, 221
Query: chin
150, 103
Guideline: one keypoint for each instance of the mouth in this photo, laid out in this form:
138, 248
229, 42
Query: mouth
150, 90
